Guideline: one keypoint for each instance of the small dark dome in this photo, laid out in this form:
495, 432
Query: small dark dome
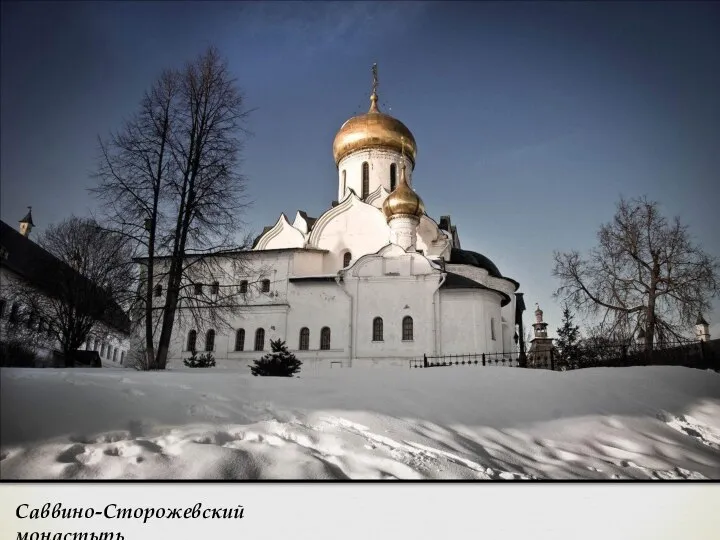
461, 256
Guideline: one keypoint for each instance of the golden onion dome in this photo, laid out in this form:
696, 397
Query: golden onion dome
403, 201
373, 130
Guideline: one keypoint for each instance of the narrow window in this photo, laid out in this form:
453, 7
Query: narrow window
492, 329
14, 312
344, 181
158, 290
346, 259
259, 339
243, 287
393, 176
2, 307
377, 329
122, 358
365, 179
304, 339
265, 285
240, 339
215, 289
198, 289
210, 340
325, 339
115, 355
192, 340
31, 320
407, 329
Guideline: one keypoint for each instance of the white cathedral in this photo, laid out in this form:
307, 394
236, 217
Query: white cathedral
374, 279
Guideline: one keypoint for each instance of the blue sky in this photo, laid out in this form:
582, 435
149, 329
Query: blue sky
531, 118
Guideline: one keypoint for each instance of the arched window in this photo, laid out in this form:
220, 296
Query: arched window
192, 340
31, 320
304, 339
198, 289
240, 339
325, 339
115, 355
210, 340
492, 329
158, 290
346, 259
259, 339
407, 328
122, 358
365, 179
14, 312
393, 176
265, 285
243, 286
377, 329
344, 182
215, 289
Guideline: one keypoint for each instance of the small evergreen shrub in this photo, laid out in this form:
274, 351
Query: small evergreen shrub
205, 360
278, 363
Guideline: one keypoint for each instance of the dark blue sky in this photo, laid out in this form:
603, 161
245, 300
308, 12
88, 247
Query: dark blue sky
531, 118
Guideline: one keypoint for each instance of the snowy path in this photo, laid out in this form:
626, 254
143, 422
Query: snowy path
361, 424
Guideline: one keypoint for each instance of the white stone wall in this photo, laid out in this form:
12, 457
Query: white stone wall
392, 285
379, 161
465, 316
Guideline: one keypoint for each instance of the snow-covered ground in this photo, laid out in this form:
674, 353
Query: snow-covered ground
452, 422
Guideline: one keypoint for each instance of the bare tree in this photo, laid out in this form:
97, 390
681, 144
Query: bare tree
646, 273
77, 292
170, 181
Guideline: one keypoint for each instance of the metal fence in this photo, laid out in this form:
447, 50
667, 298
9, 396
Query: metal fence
693, 354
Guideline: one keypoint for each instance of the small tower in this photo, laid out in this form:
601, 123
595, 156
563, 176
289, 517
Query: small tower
539, 325
26, 223
702, 329
541, 346
403, 209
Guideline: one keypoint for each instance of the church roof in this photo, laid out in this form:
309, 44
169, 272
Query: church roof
472, 258
462, 256
701, 320
309, 220
259, 236
456, 281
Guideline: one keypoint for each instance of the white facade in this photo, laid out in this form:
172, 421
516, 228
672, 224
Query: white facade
346, 270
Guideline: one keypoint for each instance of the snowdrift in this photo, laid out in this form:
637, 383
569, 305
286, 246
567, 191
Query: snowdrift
439, 423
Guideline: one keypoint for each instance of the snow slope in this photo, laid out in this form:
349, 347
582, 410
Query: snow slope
452, 422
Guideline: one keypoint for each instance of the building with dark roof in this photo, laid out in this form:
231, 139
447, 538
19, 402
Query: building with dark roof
24, 264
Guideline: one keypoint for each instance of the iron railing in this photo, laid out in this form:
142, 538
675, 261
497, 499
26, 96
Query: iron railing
693, 354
